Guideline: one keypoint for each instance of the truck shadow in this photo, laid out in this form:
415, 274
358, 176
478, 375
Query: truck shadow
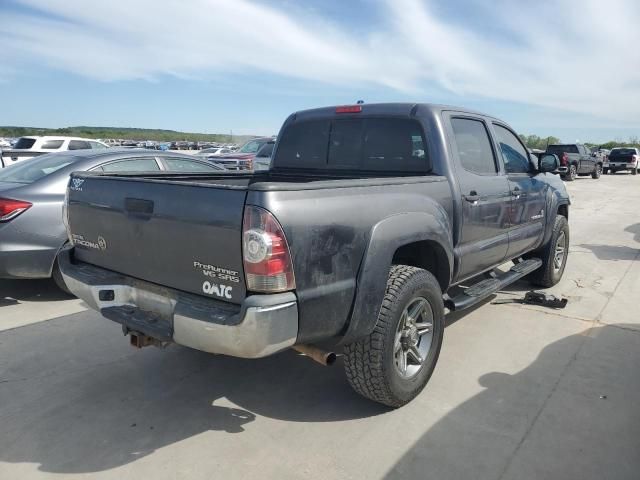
575, 390
611, 252
635, 230
100, 404
14, 291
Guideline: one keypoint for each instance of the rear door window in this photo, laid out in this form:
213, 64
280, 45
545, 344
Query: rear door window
78, 145
131, 165
52, 144
474, 146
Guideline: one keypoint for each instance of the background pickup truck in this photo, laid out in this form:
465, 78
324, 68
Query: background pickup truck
372, 219
622, 158
575, 160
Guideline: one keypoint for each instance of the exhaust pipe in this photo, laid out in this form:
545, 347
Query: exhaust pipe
323, 357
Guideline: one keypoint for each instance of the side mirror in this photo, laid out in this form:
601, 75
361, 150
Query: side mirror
548, 163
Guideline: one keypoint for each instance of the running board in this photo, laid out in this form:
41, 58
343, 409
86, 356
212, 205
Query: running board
483, 289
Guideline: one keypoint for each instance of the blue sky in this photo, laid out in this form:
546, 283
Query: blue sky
563, 67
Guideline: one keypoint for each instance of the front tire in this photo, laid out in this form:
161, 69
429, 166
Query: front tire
553, 255
394, 363
597, 172
634, 171
605, 171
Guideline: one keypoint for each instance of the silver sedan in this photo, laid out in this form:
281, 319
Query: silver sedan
32, 193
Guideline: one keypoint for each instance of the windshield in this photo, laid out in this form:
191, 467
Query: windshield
31, 170
266, 150
24, 143
558, 149
617, 152
252, 146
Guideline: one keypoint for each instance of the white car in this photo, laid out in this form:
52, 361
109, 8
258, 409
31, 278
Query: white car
4, 143
28, 147
213, 152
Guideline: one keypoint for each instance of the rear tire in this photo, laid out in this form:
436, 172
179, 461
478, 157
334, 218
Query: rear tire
385, 365
634, 171
571, 175
596, 173
605, 170
552, 269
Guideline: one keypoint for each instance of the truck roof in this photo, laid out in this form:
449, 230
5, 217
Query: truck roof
398, 108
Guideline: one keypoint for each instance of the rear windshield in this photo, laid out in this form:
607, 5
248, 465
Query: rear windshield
618, 152
31, 170
24, 143
369, 144
562, 149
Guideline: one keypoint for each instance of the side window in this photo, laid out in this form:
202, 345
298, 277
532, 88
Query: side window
474, 146
96, 145
132, 165
175, 164
52, 144
78, 145
516, 159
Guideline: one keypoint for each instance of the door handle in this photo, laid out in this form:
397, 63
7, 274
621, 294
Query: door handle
516, 193
473, 197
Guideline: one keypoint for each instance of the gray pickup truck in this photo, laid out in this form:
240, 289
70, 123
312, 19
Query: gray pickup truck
371, 221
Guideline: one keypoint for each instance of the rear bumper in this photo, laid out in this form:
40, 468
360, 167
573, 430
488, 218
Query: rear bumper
620, 165
261, 326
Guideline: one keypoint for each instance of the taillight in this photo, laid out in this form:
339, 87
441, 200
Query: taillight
267, 260
633, 158
10, 209
565, 159
349, 109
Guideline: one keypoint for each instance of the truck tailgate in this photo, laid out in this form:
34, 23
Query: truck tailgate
186, 236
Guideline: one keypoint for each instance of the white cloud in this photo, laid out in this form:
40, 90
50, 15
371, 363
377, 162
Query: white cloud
576, 55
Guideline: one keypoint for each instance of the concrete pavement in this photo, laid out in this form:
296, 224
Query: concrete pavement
520, 392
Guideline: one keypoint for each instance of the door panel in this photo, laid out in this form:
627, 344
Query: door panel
485, 198
528, 194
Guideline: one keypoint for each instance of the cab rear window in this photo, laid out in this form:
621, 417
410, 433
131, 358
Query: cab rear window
369, 144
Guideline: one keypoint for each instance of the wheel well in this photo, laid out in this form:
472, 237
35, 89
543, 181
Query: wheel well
564, 211
428, 255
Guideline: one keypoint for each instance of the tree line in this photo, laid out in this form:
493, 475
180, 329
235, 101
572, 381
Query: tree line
534, 141
121, 133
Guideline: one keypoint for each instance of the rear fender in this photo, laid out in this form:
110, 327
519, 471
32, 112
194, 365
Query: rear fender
386, 238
